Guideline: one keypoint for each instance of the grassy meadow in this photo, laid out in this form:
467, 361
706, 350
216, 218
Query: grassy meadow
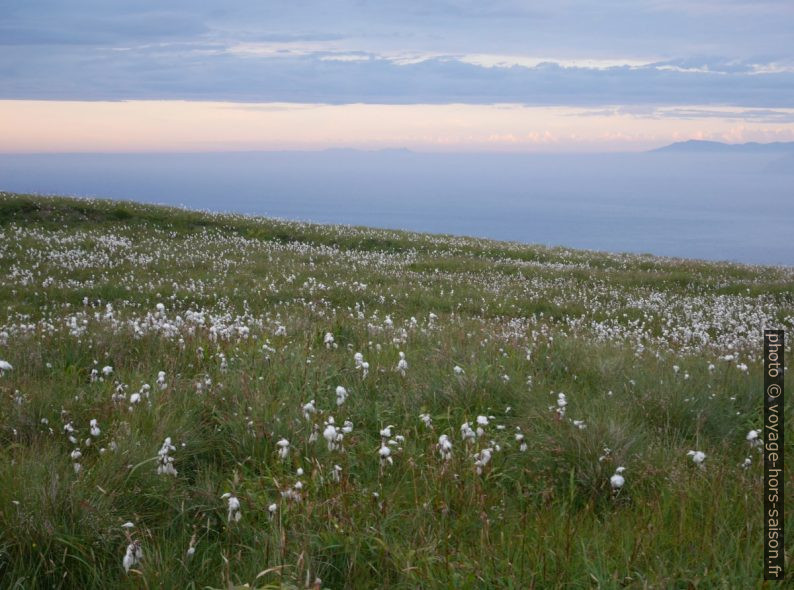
200, 400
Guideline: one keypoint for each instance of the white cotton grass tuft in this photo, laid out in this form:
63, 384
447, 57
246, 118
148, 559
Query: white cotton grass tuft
332, 435
5, 366
328, 340
753, 437
165, 462
76, 456
336, 473
191, 550
562, 402
283, 448
309, 410
133, 556
445, 447
482, 459
402, 364
457, 370
427, 420
341, 395
617, 481
385, 455
361, 364
95, 431
698, 458
233, 505
522, 443
467, 433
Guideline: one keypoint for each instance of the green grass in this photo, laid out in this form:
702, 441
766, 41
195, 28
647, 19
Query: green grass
525, 323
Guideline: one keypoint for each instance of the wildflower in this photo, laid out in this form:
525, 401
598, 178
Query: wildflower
293, 493
234, 507
283, 448
332, 435
482, 459
562, 401
166, 462
698, 457
617, 480
466, 433
76, 455
385, 455
133, 556
445, 447
309, 409
402, 364
341, 395
521, 442
328, 340
753, 439
94, 428
336, 472
426, 420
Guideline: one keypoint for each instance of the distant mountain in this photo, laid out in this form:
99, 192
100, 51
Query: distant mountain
715, 147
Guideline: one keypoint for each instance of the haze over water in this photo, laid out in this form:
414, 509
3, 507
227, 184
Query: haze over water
713, 206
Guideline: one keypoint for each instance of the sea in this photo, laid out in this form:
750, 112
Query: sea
723, 206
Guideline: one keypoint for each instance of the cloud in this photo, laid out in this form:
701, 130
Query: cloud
196, 71
573, 52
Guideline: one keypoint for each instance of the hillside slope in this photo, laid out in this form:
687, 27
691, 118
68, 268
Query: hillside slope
283, 404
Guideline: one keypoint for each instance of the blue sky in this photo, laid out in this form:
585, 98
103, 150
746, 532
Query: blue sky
633, 57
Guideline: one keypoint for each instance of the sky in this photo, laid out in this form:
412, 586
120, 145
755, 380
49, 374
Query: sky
456, 75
